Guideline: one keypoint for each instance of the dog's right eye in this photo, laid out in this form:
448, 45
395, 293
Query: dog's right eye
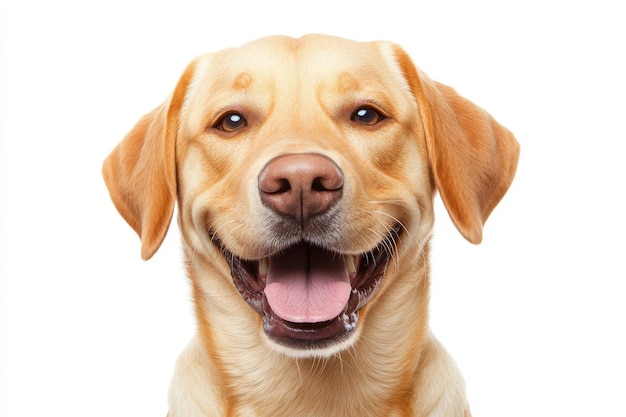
231, 122
367, 115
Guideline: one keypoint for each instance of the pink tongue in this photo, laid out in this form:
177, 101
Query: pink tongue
306, 284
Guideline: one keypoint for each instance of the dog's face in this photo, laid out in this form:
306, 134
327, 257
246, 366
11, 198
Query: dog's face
305, 171
300, 165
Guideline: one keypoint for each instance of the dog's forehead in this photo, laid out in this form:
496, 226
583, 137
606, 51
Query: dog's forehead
297, 61
286, 74
313, 52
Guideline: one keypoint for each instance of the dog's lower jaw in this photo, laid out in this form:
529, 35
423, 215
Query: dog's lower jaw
315, 352
317, 349
310, 338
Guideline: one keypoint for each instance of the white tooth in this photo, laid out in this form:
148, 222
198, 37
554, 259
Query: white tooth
350, 266
264, 266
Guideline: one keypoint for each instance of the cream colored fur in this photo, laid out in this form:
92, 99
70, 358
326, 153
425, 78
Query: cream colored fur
297, 96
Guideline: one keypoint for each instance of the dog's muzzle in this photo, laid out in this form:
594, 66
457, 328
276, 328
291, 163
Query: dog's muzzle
308, 294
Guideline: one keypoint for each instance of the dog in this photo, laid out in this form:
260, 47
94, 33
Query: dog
305, 171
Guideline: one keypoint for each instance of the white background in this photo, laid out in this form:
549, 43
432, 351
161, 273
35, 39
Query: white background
535, 316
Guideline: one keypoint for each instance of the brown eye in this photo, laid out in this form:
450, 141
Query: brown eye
367, 116
231, 122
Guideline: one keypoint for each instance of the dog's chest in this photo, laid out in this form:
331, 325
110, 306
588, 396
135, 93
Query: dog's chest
316, 388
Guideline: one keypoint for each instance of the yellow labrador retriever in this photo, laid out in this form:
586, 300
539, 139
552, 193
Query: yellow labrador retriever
304, 171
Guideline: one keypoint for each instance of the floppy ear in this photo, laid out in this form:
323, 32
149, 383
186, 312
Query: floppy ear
140, 173
473, 158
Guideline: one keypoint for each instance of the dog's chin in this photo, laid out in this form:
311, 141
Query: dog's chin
313, 335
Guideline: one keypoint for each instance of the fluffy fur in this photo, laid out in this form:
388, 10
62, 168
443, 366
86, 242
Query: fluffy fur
298, 96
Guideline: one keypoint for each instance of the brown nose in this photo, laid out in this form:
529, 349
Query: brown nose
300, 185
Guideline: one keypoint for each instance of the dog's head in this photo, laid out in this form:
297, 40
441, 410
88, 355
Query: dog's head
305, 170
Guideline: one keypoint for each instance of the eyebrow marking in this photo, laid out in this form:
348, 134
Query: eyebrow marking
242, 81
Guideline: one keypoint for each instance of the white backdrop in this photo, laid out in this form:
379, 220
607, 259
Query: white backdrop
535, 316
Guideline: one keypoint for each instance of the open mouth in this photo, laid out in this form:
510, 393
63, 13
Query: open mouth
309, 296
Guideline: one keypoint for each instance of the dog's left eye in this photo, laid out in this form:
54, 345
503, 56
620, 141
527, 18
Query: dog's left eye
367, 116
231, 122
